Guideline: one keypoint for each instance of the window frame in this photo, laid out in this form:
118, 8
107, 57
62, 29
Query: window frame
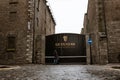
13, 40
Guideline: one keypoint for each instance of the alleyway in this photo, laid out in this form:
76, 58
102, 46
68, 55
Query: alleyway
59, 72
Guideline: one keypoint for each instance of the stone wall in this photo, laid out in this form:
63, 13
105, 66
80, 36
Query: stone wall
94, 26
13, 23
103, 28
49, 22
112, 13
44, 25
92, 30
23, 30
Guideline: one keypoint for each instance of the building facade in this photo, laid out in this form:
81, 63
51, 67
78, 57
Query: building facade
23, 27
101, 24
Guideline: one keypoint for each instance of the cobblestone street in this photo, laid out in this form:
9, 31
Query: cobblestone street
59, 72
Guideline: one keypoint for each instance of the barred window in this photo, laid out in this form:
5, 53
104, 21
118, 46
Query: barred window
13, 9
13, 1
13, 16
11, 43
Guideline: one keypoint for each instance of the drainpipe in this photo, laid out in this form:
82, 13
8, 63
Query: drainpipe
104, 17
103, 3
33, 55
91, 60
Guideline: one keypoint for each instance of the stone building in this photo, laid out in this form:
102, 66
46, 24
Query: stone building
101, 24
23, 27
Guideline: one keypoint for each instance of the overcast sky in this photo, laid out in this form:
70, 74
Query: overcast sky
68, 14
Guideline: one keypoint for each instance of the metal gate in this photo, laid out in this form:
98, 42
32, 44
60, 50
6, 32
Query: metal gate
70, 47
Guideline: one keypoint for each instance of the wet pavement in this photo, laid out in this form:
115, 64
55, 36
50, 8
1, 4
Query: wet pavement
60, 72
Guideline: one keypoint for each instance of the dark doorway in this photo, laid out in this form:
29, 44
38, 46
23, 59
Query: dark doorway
71, 48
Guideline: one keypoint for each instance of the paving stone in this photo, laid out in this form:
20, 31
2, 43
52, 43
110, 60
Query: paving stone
60, 72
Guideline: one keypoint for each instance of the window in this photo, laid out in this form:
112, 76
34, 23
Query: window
12, 1
13, 10
13, 16
11, 43
13, 5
